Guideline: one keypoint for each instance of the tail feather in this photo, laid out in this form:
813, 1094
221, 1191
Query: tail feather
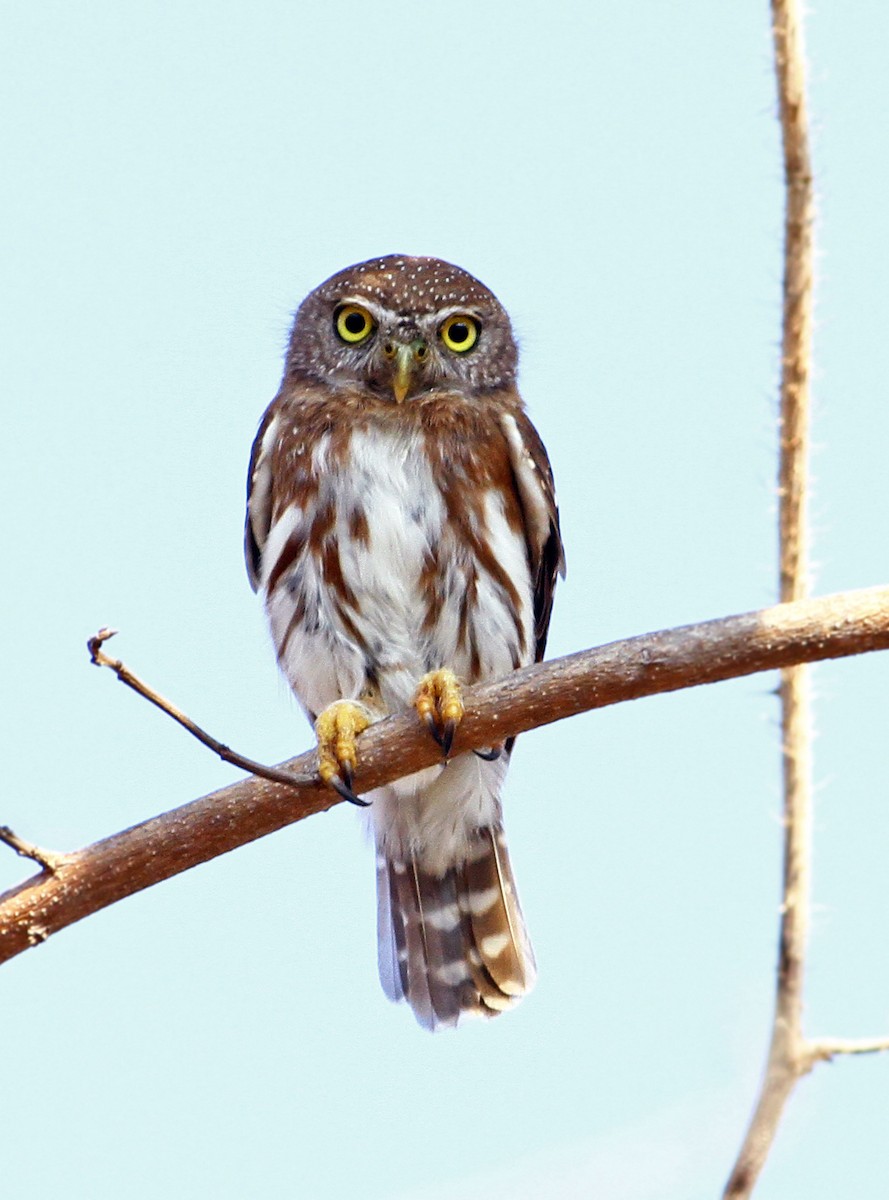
489, 898
453, 944
391, 939
408, 910
443, 964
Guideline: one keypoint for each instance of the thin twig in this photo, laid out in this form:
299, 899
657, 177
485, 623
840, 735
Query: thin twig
49, 861
826, 1049
789, 1056
90, 879
125, 675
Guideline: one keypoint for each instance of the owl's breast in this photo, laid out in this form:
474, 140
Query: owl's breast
382, 566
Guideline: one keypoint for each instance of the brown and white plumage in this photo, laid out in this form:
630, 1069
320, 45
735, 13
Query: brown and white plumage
402, 520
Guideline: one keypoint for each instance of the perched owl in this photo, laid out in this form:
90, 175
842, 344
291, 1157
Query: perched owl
402, 530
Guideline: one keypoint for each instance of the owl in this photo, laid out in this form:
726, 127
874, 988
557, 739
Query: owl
403, 533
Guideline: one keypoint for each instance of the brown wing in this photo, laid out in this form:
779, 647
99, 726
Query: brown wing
537, 496
259, 496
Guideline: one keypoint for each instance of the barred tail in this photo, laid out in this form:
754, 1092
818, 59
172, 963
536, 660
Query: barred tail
453, 944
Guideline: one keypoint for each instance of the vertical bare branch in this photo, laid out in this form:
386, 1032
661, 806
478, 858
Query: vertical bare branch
789, 1055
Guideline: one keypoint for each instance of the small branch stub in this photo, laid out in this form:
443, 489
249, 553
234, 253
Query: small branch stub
95, 644
49, 861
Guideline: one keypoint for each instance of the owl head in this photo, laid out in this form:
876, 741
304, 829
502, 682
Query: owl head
403, 327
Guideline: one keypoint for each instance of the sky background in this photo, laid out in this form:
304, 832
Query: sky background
176, 177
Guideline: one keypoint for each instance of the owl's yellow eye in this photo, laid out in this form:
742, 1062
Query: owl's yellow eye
353, 323
460, 333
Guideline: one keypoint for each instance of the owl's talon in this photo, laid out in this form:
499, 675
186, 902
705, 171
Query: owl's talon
346, 792
337, 729
429, 722
489, 755
439, 705
447, 737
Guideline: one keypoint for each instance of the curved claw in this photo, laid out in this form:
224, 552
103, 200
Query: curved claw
488, 755
346, 792
430, 723
337, 729
439, 705
446, 740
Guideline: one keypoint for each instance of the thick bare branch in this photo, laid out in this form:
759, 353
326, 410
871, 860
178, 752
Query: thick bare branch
90, 879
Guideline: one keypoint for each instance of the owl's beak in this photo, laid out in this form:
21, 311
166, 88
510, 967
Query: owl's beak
407, 359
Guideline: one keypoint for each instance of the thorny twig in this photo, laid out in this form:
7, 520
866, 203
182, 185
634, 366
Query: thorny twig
125, 675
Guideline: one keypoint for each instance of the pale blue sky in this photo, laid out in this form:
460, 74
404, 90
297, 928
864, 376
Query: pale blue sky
175, 179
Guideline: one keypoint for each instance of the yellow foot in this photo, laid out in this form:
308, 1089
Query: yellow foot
337, 728
439, 706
